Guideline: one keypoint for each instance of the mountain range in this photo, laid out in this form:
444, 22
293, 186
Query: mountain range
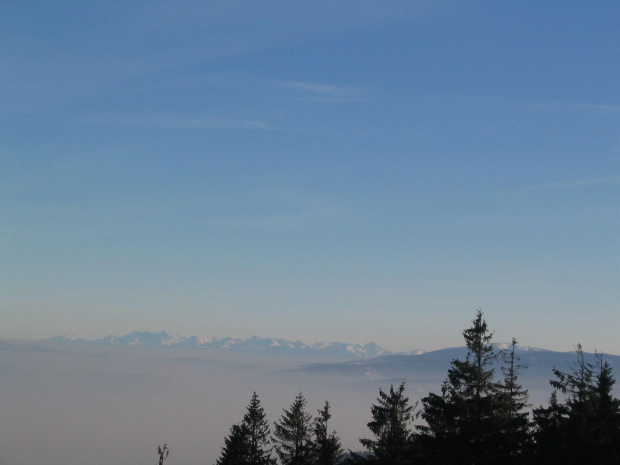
335, 362
337, 359
272, 346
536, 365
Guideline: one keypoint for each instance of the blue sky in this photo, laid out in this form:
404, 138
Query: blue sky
355, 171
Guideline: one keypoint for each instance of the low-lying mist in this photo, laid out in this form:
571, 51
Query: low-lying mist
78, 405
82, 404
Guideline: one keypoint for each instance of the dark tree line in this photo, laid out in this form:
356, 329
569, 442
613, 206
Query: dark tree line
297, 439
479, 417
248, 442
586, 426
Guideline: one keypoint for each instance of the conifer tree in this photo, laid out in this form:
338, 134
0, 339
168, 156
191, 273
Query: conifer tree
391, 427
577, 383
586, 427
328, 448
293, 435
562, 426
257, 430
548, 424
515, 419
463, 423
235, 450
605, 431
515, 396
248, 442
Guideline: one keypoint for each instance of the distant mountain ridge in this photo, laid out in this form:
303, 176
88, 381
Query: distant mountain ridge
336, 362
255, 344
426, 371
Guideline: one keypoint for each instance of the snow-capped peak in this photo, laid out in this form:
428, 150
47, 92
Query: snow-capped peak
334, 350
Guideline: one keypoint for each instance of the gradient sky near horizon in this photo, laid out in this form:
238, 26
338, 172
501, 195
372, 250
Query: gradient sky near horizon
354, 171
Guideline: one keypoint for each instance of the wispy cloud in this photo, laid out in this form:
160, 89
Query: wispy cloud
325, 90
275, 208
576, 184
300, 215
292, 220
467, 100
596, 107
552, 105
201, 122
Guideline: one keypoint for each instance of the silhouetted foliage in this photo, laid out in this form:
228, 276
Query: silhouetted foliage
391, 427
586, 427
606, 428
328, 449
515, 437
248, 442
257, 428
474, 420
236, 447
293, 435
163, 452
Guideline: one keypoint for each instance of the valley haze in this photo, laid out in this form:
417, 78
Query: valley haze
68, 401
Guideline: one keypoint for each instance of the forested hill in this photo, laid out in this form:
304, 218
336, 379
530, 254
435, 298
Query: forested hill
538, 362
428, 370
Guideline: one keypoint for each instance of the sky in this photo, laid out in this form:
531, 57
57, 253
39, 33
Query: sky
353, 171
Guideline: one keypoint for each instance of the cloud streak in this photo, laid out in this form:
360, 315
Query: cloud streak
581, 106
203, 122
279, 209
276, 221
575, 184
325, 90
